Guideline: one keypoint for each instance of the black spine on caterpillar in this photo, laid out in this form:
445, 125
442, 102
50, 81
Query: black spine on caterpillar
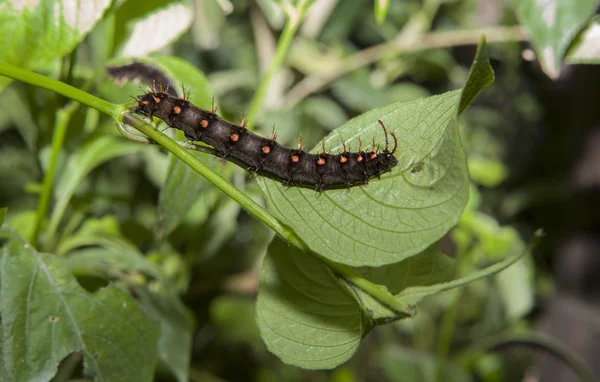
265, 156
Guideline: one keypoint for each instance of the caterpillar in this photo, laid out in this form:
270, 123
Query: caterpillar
265, 156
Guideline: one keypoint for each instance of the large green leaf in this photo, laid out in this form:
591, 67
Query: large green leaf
305, 315
33, 33
401, 214
551, 25
46, 316
311, 318
406, 210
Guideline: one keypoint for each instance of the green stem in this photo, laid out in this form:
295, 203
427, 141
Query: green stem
60, 88
445, 339
295, 17
63, 117
262, 214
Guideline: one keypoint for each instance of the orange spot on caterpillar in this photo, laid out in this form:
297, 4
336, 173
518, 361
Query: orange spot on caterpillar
177, 110
204, 123
295, 158
266, 149
359, 158
373, 155
320, 161
156, 99
234, 137
343, 158
145, 102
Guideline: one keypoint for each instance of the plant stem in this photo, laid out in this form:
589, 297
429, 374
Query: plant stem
262, 214
295, 17
445, 338
63, 116
60, 88
397, 47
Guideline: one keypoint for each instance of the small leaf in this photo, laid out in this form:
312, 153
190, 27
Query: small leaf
33, 33
586, 47
551, 25
91, 155
480, 76
305, 316
145, 27
405, 211
46, 316
381, 10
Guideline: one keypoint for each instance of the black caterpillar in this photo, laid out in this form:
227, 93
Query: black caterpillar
264, 156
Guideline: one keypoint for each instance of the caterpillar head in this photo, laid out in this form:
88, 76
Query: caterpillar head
149, 103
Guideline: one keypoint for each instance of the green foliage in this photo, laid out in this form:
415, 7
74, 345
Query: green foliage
306, 314
124, 232
48, 29
46, 315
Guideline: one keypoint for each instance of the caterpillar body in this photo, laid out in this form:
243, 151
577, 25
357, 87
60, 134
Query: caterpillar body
265, 156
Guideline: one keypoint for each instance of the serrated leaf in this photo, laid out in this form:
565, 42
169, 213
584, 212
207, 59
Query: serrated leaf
94, 153
117, 258
33, 33
46, 316
551, 25
586, 47
145, 27
406, 210
305, 316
